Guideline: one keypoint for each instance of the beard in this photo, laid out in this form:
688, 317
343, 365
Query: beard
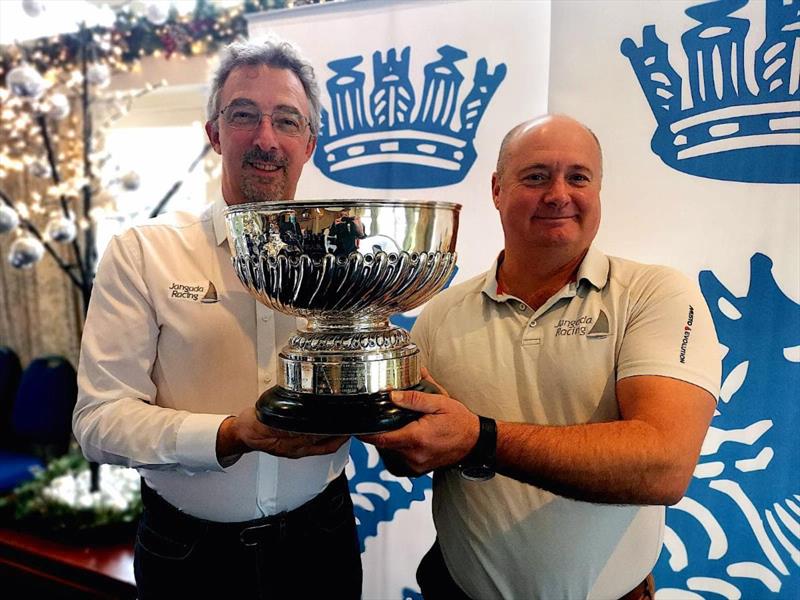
259, 189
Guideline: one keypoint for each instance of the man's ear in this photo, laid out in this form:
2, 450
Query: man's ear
212, 131
312, 143
496, 190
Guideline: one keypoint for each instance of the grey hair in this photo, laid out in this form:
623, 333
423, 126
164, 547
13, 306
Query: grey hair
272, 52
502, 155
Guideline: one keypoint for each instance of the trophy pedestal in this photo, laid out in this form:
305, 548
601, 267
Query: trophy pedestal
333, 414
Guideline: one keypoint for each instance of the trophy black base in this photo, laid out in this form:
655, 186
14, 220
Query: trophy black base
330, 414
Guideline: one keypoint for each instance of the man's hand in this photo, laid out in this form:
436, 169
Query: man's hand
245, 433
442, 436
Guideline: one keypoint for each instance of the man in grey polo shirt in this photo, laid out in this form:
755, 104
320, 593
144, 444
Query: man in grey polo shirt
595, 379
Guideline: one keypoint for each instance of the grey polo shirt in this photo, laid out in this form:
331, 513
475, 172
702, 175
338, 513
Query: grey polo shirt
557, 365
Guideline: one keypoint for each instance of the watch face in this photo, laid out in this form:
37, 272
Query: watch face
476, 473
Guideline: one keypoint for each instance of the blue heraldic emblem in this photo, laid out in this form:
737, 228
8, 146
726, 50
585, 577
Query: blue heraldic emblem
736, 533
726, 129
395, 143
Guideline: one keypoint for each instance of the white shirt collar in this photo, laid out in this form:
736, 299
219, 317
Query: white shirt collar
218, 215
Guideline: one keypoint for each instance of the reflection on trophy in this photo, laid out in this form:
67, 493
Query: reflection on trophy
345, 266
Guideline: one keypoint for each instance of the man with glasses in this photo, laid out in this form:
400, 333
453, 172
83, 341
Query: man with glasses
168, 378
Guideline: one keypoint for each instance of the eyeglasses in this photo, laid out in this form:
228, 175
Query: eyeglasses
248, 117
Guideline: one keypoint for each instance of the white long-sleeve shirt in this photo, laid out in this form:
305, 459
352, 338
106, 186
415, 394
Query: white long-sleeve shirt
173, 344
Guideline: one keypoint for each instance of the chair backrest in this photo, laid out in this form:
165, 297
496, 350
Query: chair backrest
10, 373
46, 397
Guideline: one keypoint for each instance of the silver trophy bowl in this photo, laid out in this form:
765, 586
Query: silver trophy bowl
345, 266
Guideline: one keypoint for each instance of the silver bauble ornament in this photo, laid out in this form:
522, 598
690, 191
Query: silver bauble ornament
9, 219
59, 107
98, 74
131, 181
24, 81
25, 252
33, 8
157, 12
61, 229
40, 168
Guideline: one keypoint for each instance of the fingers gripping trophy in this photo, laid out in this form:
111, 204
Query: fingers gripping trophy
345, 266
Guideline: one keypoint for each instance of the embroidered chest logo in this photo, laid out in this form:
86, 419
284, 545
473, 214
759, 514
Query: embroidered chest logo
583, 326
207, 294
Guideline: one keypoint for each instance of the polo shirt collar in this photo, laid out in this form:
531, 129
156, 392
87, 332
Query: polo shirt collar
218, 217
593, 270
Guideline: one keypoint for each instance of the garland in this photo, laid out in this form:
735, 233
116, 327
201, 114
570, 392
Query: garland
133, 36
58, 500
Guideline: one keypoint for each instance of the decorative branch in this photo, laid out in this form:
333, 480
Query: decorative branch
35, 232
159, 208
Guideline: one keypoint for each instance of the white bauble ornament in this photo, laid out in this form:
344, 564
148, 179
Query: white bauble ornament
59, 107
33, 8
130, 181
61, 229
24, 81
25, 252
40, 168
9, 219
98, 74
157, 12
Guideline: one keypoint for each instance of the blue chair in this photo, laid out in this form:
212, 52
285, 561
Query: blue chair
41, 419
10, 373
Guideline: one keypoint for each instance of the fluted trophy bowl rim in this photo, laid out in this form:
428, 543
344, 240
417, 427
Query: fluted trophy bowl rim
335, 204
396, 265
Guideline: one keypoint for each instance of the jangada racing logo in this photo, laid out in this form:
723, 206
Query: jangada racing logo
736, 533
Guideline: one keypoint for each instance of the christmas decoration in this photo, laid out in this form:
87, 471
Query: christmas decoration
40, 168
157, 13
9, 219
25, 252
59, 107
33, 8
61, 229
99, 75
130, 181
60, 499
25, 82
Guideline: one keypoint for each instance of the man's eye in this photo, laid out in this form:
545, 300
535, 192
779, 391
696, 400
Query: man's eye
287, 122
243, 116
580, 178
535, 177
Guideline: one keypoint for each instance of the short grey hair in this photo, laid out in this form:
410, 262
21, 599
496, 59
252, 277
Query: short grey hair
272, 52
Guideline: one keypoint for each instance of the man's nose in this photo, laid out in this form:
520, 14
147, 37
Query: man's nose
265, 135
558, 192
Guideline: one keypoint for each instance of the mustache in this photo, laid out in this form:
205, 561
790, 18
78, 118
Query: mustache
257, 154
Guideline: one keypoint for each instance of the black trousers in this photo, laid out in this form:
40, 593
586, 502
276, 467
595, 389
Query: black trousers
310, 552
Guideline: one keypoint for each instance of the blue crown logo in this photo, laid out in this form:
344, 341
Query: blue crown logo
398, 144
727, 130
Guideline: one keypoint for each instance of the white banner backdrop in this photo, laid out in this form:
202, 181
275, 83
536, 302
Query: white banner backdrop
715, 195
418, 96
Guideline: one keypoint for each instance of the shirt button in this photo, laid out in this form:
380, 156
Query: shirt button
533, 323
522, 307
266, 318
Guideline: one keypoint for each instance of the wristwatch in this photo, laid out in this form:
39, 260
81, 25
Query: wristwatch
479, 464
